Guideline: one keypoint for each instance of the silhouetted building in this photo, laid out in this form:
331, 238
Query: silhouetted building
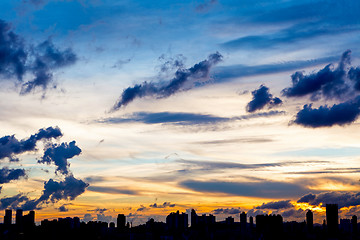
243, 221
121, 221
202, 220
193, 218
29, 219
309, 220
8, 217
229, 220
354, 224
269, 225
251, 221
18, 217
177, 221
345, 225
332, 218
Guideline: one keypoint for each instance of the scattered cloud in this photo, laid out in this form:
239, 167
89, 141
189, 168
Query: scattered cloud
7, 175
184, 79
328, 82
59, 155
164, 205
261, 98
17, 59
324, 116
226, 211
343, 199
10, 146
63, 208
276, 205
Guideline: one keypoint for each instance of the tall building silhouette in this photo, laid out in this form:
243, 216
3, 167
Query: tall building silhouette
8, 217
332, 221
18, 217
177, 221
354, 224
309, 220
193, 218
29, 219
121, 221
251, 222
243, 221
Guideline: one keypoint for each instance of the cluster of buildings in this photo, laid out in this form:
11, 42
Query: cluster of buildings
177, 227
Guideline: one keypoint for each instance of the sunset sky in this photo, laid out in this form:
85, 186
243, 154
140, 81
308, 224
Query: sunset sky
148, 107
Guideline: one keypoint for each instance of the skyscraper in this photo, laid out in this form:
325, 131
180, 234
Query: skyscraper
8, 217
309, 220
332, 218
121, 221
354, 224
19, 216
243, 221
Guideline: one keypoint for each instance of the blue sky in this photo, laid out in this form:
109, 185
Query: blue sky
168, 100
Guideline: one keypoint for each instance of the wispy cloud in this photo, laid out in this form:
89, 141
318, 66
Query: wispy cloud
112, 190
182, 118
263, 189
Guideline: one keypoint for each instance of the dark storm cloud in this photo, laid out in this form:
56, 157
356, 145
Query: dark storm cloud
17, 59
325, 116
59, 155
227, 211
276, 205
10, 146
182, 118
268, 189
343, 199
261, 98
328, 82
112, 190
183, 77
7, 175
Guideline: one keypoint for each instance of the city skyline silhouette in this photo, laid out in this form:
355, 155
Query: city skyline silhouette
145, 108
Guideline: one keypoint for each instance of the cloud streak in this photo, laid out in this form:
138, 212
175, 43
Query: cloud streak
184, 79
263, 189
182, 118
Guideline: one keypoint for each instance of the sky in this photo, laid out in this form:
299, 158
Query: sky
148, 107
